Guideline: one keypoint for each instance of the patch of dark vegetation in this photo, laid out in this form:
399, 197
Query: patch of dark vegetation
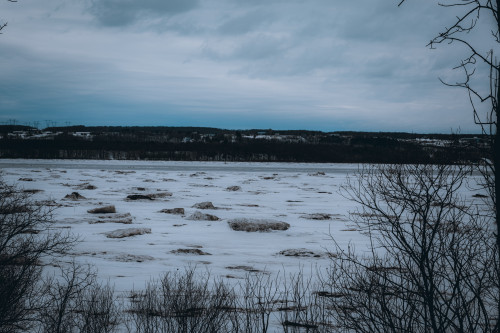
15, 209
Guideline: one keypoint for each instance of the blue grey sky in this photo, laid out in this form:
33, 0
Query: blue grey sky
325, 65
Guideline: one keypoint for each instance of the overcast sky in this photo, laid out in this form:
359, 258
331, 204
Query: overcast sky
284, 64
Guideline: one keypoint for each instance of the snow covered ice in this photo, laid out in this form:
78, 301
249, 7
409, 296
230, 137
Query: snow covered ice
154, 203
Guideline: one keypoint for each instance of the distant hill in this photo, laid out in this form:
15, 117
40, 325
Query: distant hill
213, 144
13, 128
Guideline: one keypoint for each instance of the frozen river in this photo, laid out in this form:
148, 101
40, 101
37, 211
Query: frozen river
281, 192
308, 197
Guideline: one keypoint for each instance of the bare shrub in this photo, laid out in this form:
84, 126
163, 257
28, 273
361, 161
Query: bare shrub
75, 302
304, 306
26, 239
432, 263
31, 302
257, 299
182, 302
100, 312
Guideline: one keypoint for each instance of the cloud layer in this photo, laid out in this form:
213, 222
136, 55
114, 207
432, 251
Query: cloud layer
328, 65
127, 12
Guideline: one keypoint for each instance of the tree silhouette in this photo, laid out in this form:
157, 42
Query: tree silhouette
3, 25
431, 263
484, 102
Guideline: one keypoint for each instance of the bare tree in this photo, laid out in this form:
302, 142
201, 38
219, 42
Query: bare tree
182, 302
26, 240
305, 304
485, 103
257, 297
99, 312
431, 260
74, 301
3, 25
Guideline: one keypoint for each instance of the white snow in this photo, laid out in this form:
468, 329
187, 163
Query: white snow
292, 193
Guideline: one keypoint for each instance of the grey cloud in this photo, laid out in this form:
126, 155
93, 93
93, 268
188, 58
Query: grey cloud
369, 55
261, 46
126, 12
246, 22
268, 55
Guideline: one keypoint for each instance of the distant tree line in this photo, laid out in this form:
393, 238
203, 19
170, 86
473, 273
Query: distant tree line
211, 144
359, 150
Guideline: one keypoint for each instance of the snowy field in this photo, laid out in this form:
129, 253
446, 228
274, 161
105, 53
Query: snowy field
306, 196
